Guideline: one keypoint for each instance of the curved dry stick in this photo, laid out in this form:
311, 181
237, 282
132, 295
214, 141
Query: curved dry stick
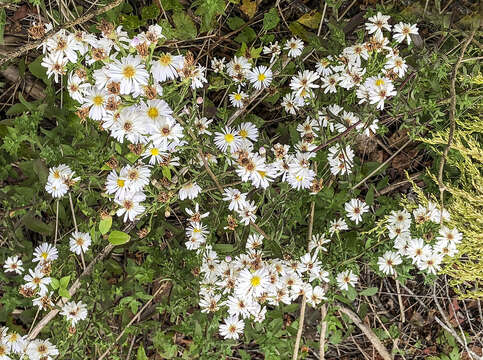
323, 331
75, 286
30, 46
138, 314
367, 331
73, 289
304, 299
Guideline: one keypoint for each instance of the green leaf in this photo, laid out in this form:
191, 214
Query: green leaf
171, 5
64, 293
37, 225
351, 293
185, 27
235, 22
54, 283
299, 30
369, 291
370, 196
105, 225
16, 109
131, 157
208, 10
224, 248
141, 353
41, 170
118, 148
132, 22
150, 12
270, 19
311, 19
64, 281
37, 70
255, 52
118, 237
166, 172
246, 35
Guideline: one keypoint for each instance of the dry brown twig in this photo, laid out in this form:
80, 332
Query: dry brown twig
367, 331
75, 286
442, 323
82, 19
135, 317
304, 298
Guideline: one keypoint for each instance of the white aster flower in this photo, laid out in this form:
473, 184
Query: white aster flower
388, 261
41, 350
294, 47
130, 72
346, 278
79, 242
13, 264
260, 77
189, 191
355, 209
232, 328
74, 312
403, 31
45, 253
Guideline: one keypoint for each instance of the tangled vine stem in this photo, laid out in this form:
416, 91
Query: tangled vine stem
84, 18
452, 114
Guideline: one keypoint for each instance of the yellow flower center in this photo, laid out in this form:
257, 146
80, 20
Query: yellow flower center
243, 133
153, 112
80, 241
44, 255
120, 182
98, 100
154, 151
165, 59
238, 97
379, 82
261, 77
229, 138
262, 173
129, 71
255, 281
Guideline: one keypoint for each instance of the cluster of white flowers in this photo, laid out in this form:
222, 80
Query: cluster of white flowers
60, 179
413, 239
36, 286
12, 343
118, 82
127, 187
248, 283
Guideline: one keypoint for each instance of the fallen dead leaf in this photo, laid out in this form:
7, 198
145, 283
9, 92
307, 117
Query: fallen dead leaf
249, 8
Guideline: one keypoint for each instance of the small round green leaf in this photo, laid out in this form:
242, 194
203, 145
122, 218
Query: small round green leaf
118, 237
